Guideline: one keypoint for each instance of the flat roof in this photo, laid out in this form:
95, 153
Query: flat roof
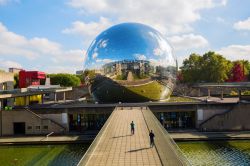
31, 91
238, 85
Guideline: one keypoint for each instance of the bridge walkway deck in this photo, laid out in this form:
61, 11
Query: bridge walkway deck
116, 146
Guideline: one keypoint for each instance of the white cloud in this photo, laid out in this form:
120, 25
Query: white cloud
236, 52
88, 30
158, 51
103, 43
187, 41
70, 57
140, 56
61, 69
104, 60
43, 45
37, 51
94, 5
94, 56
168, 16
242, 25
5, 64
220, 20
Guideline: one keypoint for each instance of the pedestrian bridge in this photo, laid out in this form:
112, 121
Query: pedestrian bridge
114, 145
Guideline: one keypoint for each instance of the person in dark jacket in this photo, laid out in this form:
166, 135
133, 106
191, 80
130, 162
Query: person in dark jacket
132, 126
151, 136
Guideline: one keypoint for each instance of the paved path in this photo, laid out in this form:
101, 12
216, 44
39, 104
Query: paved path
182, 136
44, 139
115, 146
217, 99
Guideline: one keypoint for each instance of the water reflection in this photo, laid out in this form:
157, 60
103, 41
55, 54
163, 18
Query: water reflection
217, 152
37, 155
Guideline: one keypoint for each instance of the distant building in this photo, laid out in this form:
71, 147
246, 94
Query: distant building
138, 67
6, 81
79, 72
27, 78
15, 70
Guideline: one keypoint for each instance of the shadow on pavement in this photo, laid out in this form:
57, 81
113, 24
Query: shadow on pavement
123, 136
136, 150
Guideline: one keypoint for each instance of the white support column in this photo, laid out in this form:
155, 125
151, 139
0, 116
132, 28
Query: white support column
55, 99
208, 92
64, 96
221, 97
199, 92
27, 100
1, 104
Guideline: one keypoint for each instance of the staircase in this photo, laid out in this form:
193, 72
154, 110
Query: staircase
235, 119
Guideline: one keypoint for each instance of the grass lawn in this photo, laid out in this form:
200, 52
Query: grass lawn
181, 99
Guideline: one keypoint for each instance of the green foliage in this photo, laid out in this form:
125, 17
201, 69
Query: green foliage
135, 76
121, 77
81, 77
210, 67
16, 81
90, 73
64, 79
191, 68
247, 92
233, 93
180, 99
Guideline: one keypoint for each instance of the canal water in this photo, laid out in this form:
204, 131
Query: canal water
42, 155
217, 153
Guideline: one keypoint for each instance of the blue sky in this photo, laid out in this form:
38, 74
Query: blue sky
53, 36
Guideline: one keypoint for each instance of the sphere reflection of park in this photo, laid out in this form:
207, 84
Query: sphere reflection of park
130, 62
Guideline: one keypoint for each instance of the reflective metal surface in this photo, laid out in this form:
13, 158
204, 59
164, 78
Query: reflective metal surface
130, 62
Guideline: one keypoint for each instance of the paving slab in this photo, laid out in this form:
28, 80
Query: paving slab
206, 136
115, 145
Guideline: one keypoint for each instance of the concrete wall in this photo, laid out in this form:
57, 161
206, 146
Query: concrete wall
236, 118
61, 118
8, 79
208, 111
32, 123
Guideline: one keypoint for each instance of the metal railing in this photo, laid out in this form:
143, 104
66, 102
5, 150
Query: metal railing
163, 137
89, 153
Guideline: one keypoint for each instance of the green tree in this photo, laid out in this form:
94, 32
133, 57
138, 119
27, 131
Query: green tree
64, 79
81, 77
16, 81
89, 73
192, 68
215, 67
210, 67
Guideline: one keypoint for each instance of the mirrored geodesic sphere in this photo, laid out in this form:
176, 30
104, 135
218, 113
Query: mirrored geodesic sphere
130, 62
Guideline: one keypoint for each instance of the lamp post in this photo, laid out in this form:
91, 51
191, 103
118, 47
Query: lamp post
243, 69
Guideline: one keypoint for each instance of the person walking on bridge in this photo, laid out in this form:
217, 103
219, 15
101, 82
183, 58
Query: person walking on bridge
151, 136
132, 126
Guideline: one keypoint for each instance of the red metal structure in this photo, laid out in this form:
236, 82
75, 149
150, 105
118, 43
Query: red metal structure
27, 78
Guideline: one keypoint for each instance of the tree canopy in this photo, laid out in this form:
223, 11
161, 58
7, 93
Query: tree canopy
64, 79
211, 67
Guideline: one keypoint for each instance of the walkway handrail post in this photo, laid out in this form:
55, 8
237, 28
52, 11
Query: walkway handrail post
85, 158
173, 145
